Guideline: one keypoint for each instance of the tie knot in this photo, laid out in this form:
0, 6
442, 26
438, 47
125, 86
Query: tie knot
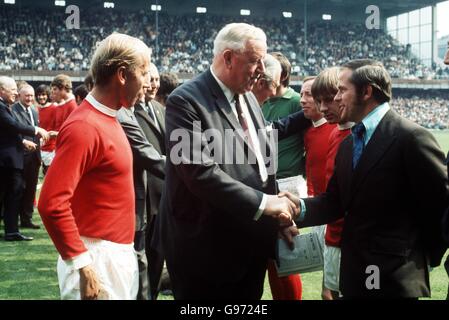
358, 130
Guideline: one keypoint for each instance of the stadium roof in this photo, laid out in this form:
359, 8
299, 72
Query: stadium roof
338, 8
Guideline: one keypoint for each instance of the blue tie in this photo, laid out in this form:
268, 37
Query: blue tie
358, 133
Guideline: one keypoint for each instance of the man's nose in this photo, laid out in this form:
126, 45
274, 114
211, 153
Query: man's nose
261, 66
337, 97
322, 107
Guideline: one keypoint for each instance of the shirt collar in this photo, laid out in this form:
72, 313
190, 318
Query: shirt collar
372, 120
319, 123
101, 107
288, 94
227, 92
345, 126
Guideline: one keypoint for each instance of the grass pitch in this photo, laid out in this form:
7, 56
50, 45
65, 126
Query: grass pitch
28, 269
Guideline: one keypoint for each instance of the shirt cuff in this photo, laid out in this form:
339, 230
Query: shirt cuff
35, 131
303, 210
80, 261
262, 206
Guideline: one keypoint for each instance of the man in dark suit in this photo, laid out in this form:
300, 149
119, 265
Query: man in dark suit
27, 115
150, 115
145, 158
381, 187
220, 217
11, 158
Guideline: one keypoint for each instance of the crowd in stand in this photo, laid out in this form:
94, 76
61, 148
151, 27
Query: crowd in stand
429, 112
39, 40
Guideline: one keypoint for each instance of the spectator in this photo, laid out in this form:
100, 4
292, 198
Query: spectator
80, 93
168, 82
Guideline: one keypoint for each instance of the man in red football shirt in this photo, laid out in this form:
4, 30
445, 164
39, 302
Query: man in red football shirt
316, 145
87, 200
324, 89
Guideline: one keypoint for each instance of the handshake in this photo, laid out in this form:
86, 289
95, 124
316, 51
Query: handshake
284, 206
46, 135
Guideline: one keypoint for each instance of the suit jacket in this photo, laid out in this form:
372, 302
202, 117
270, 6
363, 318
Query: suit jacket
393, 204
21, 116
208, 208
11, 136
155, 133
145, 157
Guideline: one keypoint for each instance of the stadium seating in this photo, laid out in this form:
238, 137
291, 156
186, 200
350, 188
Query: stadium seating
37, 39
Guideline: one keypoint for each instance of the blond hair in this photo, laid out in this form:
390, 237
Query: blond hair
116, 51
326, 84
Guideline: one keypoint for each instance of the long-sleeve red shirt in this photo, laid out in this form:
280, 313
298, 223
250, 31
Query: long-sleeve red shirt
333, 230
316, 141
88, 190
46, 121
62, 112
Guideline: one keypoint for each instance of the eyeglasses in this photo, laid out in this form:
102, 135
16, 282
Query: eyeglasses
271, 83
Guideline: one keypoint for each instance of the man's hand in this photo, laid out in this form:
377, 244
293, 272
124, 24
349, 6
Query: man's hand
43, 134
29, 145
294, 199
53, 134
288, 234
89, 283
281, 208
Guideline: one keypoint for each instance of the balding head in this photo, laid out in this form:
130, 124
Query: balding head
154, 83
8, 89
26, 96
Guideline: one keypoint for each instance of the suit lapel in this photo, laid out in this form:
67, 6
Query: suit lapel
160, 118
21, 113
141, 112
379, 143
222, 104
35, 117
262, 136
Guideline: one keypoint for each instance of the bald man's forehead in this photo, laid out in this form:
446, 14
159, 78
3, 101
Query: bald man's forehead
27, 90
9, 83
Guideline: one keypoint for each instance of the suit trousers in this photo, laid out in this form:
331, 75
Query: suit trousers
31, 167
11, 189
249, 287
142, 263
155, 260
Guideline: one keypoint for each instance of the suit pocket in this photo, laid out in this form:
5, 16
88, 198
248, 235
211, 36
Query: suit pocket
390, 246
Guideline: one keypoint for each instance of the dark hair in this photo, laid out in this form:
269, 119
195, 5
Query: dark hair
81, 91
286, 68
168, 82
43, 89
367, 72
62, 81
89, 82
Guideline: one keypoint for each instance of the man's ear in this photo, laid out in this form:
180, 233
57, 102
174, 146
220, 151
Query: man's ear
227, 57
368, 92
121, 75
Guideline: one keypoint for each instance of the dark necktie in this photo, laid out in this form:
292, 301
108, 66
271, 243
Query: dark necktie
242, 119
358, 133
150, 113
27, 113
